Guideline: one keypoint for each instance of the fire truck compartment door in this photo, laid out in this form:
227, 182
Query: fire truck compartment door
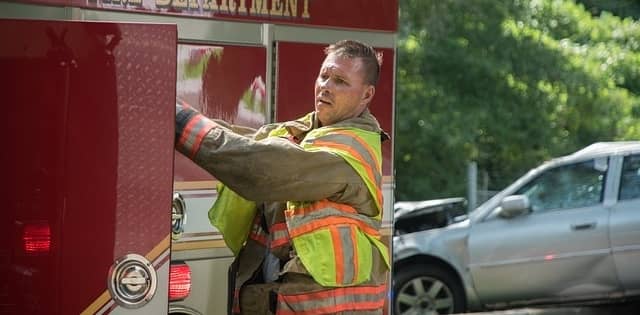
88, 161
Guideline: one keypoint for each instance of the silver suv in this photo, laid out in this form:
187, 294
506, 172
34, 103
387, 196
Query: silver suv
567, 231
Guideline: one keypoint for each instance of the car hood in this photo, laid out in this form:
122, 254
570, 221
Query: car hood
424, 236
405, 209
434, 241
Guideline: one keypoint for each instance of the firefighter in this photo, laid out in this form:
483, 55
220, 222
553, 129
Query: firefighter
300, 202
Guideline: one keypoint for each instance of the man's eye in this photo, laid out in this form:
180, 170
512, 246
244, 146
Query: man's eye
340, 81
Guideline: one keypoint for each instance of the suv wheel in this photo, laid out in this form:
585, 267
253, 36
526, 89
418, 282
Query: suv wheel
426, 289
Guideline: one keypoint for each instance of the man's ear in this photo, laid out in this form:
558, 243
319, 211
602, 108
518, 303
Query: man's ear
368, 94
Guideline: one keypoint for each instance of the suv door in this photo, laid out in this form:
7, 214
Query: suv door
560, 249
625, 225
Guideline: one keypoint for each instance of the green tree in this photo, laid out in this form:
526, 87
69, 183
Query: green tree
621, 8
507, 84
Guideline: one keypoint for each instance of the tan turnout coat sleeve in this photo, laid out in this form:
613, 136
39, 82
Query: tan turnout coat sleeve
277, 169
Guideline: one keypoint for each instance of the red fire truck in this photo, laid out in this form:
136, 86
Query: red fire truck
103, 216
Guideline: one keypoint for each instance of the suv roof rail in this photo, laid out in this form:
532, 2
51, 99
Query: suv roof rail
608, 147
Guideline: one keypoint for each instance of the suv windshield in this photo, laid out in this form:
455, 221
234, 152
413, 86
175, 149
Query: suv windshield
569, 186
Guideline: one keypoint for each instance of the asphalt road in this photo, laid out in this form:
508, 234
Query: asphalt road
627, 308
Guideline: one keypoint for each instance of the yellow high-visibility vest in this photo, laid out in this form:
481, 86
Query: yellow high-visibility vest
333, 241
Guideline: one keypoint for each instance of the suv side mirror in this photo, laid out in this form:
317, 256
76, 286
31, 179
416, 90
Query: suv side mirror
513, 206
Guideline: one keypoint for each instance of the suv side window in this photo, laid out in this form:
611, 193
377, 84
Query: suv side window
570, 186
630, 179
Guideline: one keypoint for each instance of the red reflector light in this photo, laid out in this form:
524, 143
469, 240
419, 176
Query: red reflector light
36, 238
179, 282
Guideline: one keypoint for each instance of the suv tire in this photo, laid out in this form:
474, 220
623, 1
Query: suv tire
425, 289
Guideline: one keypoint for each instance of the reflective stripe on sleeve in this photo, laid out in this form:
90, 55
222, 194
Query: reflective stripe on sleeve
257, 232
279, 235
236, 301
193, 133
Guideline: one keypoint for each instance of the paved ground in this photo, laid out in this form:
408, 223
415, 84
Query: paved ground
629, 308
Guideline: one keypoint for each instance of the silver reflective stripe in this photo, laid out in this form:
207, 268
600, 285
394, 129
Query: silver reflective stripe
348, 248
357, 146
279, 237
256, 229
338, 300
193, 133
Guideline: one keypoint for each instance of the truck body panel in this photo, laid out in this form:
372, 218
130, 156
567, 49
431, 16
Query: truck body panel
90, 103
233, 61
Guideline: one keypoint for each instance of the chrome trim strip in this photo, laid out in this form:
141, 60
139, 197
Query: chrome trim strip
625, 248
203, 185
595, 252
107, 308
181, 309
189, 29
300, 34
162, 259
202, 234
11, 10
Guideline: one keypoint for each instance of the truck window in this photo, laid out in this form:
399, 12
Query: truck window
570, 186
630, 179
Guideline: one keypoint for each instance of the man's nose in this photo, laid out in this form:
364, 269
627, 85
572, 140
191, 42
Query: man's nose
323, 84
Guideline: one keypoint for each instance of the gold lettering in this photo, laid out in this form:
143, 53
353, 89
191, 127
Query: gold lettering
180, 4
229, 6
291, 8
163, 3
276, 8
242, 9
123, 2
233, 7
305, 13
273, 8
210, 5
186, 4
259, 7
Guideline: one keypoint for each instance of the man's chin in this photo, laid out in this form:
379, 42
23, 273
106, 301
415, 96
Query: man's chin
323, 119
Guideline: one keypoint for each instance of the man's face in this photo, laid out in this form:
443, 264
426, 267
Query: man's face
341, 89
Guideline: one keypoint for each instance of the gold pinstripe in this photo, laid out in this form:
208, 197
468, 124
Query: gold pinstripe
182, 246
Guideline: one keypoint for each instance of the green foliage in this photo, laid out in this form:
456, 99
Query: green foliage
507, 84
622, 8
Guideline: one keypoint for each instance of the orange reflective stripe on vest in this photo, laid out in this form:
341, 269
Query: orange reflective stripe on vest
345, 254
326, 213
359, 150
361, 298
337, 231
